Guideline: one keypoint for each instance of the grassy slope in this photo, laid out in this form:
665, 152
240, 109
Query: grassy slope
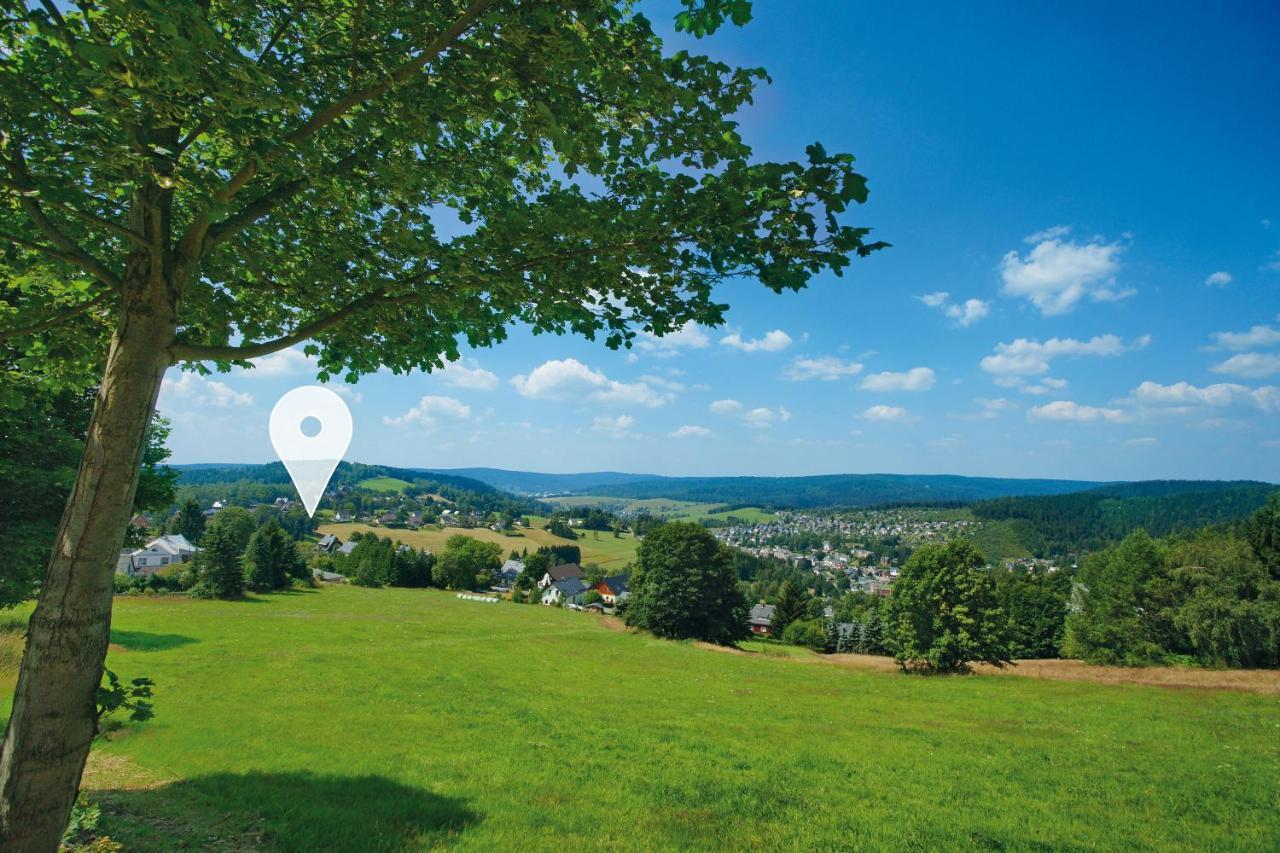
596, 547
389, 719
748, 514
683, 510
385, 484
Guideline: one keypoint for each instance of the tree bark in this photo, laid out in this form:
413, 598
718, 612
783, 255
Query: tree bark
54, 717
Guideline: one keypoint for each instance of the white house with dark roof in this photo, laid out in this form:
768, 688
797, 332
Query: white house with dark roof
567, 591
559, 573
160, 553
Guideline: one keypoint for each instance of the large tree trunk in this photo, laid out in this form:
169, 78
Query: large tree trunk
54, 711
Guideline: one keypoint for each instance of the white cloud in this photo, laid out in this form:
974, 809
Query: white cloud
1250, 365
1267, 398
1026, 357
1145, 441
1185, 394
965, 313
762, 416
766, 417
662, 382
570, 379
1066, 410
1218, 279
1045, 385
619, 427
191, 389
468, 374
1186, 397
915, 379
430, 411
688, 336
1051, 233
1056, 274
690, 431
774, 341
346, 391
1256, 338
993, 408
286, 362
895, 414
969, 312
826, 368
1273, 265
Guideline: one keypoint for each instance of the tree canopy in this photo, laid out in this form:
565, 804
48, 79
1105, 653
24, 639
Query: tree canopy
205, 183
943, 613
305, 160
684, 586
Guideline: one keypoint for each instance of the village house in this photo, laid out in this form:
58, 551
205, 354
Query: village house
760, 619
614, 589
510, 570
567, 591
559, 573
164, 551
328, 543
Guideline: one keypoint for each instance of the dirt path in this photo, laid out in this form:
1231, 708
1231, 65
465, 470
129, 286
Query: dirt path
1264, 681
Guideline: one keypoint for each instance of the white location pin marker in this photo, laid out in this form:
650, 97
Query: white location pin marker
310, 459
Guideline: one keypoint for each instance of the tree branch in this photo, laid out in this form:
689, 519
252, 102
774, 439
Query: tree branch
56, 319
91, 218
264, 204
345, 104
110, 279
179, 351
70, 250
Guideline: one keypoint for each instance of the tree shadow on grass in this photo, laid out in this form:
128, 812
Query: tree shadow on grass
145, 641
280, 811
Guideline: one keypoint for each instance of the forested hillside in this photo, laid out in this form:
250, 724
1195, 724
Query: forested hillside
839, 489
1087, 521
244, 483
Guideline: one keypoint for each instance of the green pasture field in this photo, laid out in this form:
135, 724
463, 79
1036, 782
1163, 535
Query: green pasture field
596, 546
384, 484
385, 719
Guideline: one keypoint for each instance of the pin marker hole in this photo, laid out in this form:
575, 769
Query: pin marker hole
310, 426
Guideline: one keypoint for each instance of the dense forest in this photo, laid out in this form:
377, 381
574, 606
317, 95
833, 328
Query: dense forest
852, 490
1058, 525
265, 483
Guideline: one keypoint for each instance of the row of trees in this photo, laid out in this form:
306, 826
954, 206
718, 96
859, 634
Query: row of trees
375, 561
1212, 598
232, 559
190, 520
465, 563
42, 435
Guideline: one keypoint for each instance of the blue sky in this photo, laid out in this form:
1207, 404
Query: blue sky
1084, 204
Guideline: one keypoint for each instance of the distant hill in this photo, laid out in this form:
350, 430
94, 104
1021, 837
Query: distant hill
1085, 521
824, 490
265, 483
533, 483
347, 474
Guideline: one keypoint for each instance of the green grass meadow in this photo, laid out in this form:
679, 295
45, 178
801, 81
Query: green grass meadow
385, 484
358, 719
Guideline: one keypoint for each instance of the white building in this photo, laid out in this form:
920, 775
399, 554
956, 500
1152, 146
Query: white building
160, 553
